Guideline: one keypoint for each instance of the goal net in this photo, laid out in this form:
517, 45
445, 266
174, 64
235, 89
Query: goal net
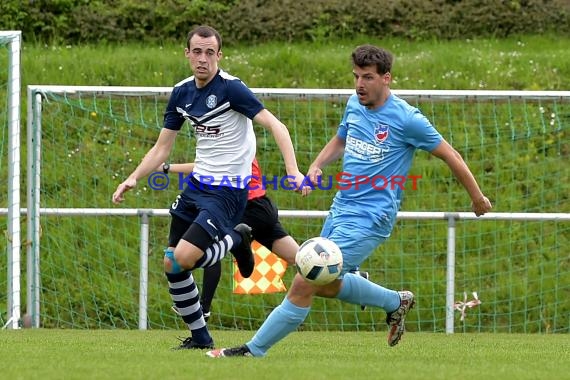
507, 272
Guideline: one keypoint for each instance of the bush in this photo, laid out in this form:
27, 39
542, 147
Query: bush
256, 21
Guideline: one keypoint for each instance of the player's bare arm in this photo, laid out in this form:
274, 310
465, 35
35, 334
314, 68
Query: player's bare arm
156, 155
283, 140
330, 153
480, 203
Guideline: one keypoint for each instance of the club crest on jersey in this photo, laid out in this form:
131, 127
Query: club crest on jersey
211, 101
381, 133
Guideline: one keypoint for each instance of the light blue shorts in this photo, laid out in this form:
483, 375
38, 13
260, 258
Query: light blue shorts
356, 236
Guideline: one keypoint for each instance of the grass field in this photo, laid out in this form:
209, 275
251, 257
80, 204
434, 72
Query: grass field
517, 63
128, 354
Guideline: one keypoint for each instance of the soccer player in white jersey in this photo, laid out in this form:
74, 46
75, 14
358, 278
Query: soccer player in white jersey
377, 136
220, 109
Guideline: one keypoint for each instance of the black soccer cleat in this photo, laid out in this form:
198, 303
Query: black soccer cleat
242, 252
227, 352
189, 344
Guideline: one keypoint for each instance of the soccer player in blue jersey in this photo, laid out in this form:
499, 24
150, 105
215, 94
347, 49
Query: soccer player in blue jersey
377, 136
220, 109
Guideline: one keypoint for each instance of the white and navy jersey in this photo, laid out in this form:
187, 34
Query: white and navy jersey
221, 115
379, 148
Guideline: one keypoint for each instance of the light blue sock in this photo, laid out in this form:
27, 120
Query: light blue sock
359, 291
283, 320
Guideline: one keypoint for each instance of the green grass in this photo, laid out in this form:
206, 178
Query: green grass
517, 63
117, 354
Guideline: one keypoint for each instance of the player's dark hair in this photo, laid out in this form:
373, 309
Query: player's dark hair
204, 31
370, 55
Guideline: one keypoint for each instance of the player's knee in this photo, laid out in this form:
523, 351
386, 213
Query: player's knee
302, 288
329, 290
170, 263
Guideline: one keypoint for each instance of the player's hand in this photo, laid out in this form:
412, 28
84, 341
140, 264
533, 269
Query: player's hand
128, 184
481, 206
300, 183
315, 174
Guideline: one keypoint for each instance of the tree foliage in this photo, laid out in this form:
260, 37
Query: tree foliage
256, 21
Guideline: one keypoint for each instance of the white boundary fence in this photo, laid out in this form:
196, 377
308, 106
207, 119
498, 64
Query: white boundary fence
33, 211
13, 39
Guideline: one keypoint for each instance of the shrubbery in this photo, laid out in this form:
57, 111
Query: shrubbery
254, 21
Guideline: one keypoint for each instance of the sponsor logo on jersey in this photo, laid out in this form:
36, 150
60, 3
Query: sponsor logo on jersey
364, 150
208, 131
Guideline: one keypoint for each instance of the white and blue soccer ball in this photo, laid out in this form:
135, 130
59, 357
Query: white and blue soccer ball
319, 261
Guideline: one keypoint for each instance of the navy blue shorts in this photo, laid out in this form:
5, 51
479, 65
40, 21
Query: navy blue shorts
217, 209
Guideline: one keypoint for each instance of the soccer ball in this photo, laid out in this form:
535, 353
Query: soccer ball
319, 261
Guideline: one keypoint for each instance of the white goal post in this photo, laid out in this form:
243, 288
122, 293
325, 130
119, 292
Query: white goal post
13, 40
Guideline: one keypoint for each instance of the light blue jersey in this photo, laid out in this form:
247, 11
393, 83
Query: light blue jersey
379, 150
